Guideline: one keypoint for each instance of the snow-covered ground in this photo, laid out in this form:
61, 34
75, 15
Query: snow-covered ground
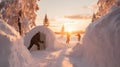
61, 57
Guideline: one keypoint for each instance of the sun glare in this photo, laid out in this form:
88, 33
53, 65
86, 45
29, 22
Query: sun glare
69, 30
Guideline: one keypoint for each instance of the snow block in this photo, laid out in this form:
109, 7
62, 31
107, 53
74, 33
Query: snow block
101, 43
12, 51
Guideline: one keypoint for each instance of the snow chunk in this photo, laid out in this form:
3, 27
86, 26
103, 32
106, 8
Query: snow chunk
7, 29
12, 51
50, 36
101, 43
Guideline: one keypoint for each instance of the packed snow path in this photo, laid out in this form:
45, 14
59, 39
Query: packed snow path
58, 58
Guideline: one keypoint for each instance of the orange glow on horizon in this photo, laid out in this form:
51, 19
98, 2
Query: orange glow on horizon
70, 25
69, 30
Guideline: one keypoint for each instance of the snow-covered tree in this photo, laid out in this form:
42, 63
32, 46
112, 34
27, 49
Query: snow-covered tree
103, 7
94, 17
10, 9
46, 21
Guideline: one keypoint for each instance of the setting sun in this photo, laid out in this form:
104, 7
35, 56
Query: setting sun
69, 30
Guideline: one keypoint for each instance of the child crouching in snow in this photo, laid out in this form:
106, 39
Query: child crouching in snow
36, 41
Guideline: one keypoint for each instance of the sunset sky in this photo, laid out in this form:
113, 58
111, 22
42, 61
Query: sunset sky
58, 10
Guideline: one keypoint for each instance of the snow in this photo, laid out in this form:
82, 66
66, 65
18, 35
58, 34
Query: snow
12, 51
61, 57
58, 58
101, 42
50, 36
100, 46
7, 29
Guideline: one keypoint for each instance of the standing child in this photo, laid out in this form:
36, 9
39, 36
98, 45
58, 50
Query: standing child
79, 36
68, 38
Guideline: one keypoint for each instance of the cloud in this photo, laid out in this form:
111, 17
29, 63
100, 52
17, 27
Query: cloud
78, 17
93, 6
52, 19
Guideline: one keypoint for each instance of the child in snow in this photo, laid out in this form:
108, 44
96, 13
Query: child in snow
79, 36
68, 38
36, 41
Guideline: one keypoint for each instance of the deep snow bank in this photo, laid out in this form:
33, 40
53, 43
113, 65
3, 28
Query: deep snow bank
8, 29
101, 43
50, 36
12, 51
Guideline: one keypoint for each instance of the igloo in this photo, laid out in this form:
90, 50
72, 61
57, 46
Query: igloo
46, 35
